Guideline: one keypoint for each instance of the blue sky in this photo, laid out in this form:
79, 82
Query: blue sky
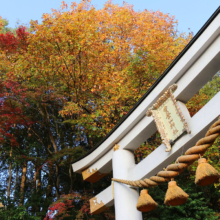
189, 13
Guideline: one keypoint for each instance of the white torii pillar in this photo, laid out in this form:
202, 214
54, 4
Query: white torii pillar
125, 197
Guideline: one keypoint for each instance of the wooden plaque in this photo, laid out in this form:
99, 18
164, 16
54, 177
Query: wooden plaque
168, 117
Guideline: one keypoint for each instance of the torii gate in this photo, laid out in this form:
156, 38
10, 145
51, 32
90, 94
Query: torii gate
191, 70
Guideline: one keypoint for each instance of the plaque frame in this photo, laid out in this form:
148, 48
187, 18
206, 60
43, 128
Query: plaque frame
153, 111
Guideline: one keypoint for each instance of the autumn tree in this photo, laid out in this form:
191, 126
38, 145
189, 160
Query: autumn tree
65, 84
101, 60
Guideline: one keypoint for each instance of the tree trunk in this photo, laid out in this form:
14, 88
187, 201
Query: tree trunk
50, 183
38, 188
34, 185
49, 190
56, 150
16, 178
56, 165
23, 183
57, 182
71, 179
35, 177
9, 179
38, 181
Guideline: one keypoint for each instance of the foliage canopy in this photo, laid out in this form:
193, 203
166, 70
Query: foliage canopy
64, 84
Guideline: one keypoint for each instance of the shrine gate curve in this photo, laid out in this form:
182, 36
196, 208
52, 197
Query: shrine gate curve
190, 71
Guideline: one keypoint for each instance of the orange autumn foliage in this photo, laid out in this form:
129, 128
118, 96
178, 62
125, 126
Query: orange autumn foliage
98, 62
196, 103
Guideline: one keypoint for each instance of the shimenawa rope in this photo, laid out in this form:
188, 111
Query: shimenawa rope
182, 162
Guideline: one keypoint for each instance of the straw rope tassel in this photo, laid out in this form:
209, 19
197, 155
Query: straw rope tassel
175, 195
205, 173
145, 202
